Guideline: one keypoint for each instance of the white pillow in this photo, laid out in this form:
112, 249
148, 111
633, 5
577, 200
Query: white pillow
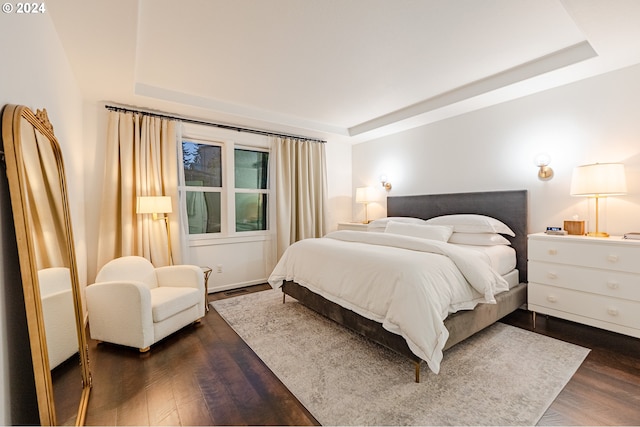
472, 223
381, 223
423, 231
478, 239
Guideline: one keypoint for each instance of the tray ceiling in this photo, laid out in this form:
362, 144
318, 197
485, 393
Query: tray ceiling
353, 69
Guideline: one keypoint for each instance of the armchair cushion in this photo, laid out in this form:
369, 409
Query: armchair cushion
168, 301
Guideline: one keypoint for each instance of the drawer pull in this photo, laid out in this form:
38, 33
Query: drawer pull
553, 252
612, 311
613, 285
552, 298
552, 275
612, 258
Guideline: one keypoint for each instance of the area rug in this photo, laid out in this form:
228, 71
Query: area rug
501, 376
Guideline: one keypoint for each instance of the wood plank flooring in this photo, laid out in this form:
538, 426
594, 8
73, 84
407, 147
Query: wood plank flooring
605, 390
206, 375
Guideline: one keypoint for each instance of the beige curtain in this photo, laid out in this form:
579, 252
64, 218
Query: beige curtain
301, 195
44, 206
141, 160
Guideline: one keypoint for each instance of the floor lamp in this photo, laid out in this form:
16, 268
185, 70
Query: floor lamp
599, 180
157, 205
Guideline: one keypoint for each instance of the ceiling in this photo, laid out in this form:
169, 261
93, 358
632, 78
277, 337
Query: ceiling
348, 70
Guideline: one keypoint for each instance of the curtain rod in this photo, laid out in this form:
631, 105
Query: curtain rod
207, 123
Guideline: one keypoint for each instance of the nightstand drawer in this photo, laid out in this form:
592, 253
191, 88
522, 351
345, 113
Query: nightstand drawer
602, 282
592, 254
607, 309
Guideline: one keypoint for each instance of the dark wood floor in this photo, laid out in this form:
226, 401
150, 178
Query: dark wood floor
206, 375
605, 390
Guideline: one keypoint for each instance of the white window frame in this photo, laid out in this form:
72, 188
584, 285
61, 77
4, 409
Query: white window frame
183, 188
229, 141
253, 190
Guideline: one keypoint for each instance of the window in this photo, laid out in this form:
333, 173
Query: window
210, 199
251, 170
203, 178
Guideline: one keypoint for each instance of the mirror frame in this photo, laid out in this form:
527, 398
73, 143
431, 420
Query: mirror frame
12, 115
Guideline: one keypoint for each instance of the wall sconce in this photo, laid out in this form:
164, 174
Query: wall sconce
385, 184
542, 161
364, 195
599, 180
155, 205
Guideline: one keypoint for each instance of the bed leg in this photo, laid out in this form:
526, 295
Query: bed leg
283, 296
533, 314
417, 366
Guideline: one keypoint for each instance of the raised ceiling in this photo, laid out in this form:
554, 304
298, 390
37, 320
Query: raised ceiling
343, 69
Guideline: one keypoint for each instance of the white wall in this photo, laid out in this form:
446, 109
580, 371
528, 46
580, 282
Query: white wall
34, 73
595, 120
339, 183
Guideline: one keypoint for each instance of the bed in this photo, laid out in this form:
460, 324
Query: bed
509, 207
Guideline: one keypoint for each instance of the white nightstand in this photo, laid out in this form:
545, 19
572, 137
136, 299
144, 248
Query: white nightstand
590, 280
357, 226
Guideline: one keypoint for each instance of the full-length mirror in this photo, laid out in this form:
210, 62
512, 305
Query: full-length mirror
39, 199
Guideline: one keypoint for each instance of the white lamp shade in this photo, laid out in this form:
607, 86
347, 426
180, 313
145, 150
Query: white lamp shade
364, 195
599, 179
153, 204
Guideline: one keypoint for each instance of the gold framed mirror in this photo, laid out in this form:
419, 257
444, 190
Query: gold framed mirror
53, 304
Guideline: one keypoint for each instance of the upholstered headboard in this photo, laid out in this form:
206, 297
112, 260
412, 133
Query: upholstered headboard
509, 207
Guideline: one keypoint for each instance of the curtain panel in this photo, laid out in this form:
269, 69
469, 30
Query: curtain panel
301, 193
141, 160
47, 219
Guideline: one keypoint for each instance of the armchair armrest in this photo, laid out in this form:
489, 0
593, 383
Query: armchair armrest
120, 312
181, 276
60, 323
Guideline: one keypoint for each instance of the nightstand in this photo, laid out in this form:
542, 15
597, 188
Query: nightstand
590, 280
357, 226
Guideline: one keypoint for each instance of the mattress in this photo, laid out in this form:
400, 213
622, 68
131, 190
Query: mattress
512, 278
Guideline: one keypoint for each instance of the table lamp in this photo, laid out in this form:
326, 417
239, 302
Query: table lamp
364, 195
599, 180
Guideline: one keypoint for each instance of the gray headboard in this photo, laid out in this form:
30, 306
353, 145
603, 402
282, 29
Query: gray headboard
509, 207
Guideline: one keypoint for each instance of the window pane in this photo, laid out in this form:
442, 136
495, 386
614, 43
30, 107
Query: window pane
203, 212
202, 164
251, 169
251, 211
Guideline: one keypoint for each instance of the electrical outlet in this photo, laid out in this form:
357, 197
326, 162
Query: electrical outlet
219, 268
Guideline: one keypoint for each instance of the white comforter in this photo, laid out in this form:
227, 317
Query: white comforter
408, 284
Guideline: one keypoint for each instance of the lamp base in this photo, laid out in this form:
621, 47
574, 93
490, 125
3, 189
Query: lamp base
598, 234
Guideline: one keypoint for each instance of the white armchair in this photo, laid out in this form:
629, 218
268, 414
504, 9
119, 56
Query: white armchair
135, 304
59, 314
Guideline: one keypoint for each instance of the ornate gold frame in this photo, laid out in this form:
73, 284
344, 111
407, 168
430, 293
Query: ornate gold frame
14, 118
